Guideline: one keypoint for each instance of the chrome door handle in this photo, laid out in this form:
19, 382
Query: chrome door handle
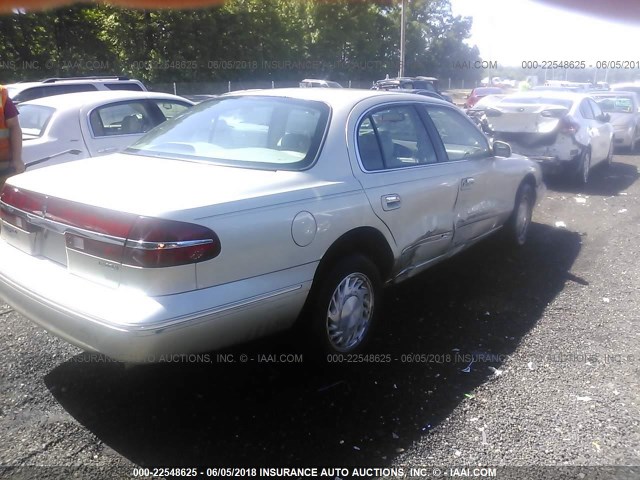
391, 202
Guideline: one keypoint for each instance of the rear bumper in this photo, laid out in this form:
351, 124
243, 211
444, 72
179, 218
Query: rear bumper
555, 158
553, 165
132, 327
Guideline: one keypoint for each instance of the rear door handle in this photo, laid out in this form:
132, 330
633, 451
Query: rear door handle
391, 202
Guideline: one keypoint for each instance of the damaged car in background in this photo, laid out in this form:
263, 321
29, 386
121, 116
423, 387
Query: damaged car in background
252, 211
566, 132
478, 113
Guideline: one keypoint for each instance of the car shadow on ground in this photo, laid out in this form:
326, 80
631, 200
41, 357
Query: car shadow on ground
603, 180
477, 306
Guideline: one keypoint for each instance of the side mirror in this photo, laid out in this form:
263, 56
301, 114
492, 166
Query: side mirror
501, 149
606, 117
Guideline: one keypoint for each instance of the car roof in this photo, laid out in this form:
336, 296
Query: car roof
83, 99
20, 86
338, 97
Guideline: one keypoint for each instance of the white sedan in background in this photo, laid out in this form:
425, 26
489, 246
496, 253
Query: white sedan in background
252, 211
566, 132
72, 126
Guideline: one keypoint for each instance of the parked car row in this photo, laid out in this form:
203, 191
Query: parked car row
249, 213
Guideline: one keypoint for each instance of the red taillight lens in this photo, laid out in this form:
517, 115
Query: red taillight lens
23, 200
93, 219
115, 236
568, 125
155, 242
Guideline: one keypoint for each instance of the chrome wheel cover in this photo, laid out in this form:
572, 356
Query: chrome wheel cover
350, 312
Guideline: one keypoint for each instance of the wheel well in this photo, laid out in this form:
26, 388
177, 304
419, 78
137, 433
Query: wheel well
531, 180
363, 240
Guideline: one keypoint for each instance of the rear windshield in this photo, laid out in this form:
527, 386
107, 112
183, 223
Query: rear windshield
533, 100
252, 131
34, 119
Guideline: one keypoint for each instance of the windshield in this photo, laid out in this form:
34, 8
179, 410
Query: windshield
34, 119
249, 131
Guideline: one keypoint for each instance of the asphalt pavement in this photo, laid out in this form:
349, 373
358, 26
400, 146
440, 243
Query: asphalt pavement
495, 358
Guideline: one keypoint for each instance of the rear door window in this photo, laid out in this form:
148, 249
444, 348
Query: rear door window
597, 111
394, 137
34, 119
122, 118
585, 110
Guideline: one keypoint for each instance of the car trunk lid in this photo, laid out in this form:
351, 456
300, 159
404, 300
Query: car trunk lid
524, 118
529, 125
109, 218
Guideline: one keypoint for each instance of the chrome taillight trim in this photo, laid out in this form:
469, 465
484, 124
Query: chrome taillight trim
167, 245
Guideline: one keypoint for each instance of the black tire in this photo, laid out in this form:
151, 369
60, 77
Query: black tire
609, 160
516, 230
354, 282
583, 169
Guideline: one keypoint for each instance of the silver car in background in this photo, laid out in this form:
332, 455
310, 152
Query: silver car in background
62, 128
251, 212
624, 110
566, 132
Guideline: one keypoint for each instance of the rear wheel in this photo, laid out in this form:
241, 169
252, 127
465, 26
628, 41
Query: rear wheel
609, 160
584, 168
516, 229
345, 306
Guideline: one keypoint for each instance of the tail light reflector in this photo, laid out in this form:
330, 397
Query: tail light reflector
568, 125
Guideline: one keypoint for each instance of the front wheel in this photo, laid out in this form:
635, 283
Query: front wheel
346, 305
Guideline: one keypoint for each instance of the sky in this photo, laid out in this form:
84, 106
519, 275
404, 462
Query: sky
512, 31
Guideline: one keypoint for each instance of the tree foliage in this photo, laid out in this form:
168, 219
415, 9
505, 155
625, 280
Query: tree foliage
243, 39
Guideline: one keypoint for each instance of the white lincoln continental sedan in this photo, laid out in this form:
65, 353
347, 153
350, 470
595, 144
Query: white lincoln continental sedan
254, 211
